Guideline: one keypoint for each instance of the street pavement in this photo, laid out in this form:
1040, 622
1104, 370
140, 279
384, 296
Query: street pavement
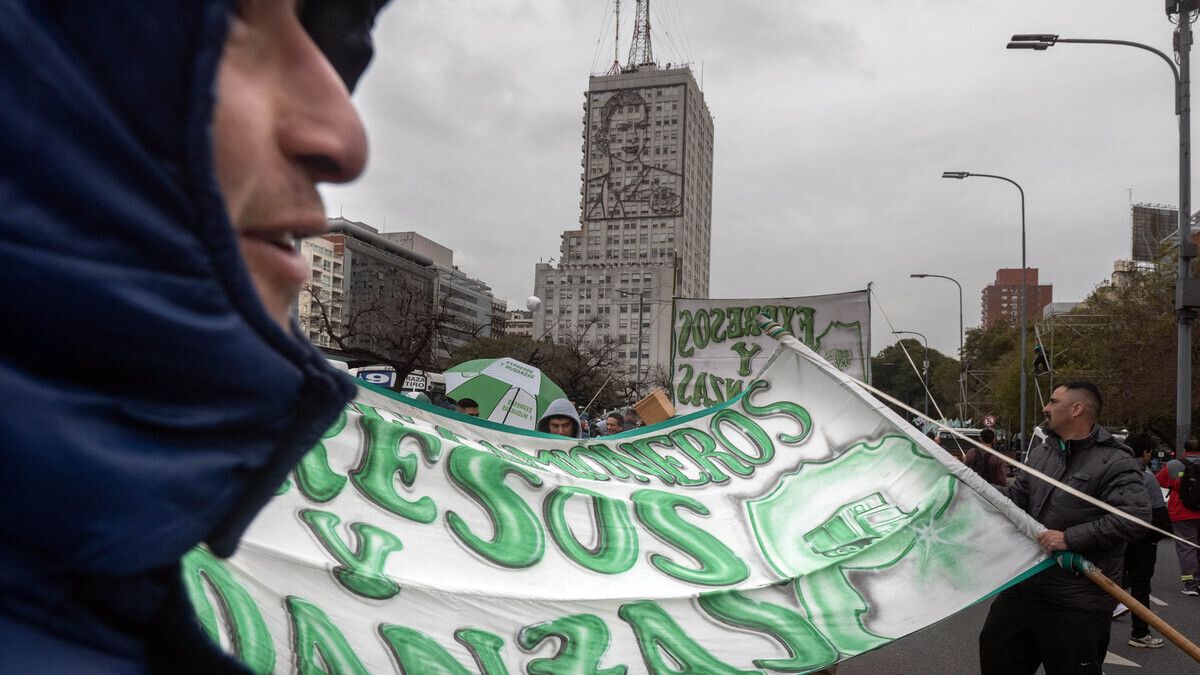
950, 647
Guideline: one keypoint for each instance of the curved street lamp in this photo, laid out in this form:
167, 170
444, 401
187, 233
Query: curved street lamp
962, 390
924, 364
1187, 290
959, 175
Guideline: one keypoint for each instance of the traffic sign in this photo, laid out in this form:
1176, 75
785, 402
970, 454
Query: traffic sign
989, 421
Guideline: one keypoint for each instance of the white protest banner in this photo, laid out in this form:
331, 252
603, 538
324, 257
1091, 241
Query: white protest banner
717, 346
795, 526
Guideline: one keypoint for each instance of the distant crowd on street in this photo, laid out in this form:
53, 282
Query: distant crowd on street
564, 418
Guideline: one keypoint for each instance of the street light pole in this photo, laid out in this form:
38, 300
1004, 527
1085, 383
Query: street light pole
924, 364
1187, 292
962, 390
959, 175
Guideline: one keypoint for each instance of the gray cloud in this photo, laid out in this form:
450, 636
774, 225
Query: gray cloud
833, 124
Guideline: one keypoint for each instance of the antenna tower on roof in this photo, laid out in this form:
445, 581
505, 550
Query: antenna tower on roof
615, 69
640, 51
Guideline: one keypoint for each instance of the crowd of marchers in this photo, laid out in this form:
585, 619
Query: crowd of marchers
564, 418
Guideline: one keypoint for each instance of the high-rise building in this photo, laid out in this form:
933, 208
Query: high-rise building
1151, 223
324, 290
385, 288
499, 316
645, 214
467, 302
1002, 299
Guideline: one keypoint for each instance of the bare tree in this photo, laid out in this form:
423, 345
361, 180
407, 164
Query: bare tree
397, 326
579, 362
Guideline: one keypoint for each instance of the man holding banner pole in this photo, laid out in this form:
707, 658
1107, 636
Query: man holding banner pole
1058, 618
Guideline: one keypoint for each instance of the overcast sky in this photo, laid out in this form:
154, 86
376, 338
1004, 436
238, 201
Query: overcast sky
833, 123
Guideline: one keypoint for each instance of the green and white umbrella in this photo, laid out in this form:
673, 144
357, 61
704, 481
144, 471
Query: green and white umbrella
507, 391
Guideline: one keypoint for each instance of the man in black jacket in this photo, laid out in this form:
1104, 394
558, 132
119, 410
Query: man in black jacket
1058, 618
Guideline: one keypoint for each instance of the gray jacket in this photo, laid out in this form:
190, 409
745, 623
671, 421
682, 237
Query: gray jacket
1100, 466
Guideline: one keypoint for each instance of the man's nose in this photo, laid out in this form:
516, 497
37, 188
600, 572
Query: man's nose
319, 127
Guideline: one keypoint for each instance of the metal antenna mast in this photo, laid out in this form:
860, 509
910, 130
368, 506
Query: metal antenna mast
640, 51
615, 69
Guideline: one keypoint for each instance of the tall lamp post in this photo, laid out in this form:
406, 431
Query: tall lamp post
924, 364
962, 390
641, 296
1187, 290
959, 175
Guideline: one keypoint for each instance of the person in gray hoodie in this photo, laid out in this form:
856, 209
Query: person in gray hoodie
560, 418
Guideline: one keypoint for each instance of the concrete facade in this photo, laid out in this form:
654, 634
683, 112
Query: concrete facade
645, 214
378, 272
468, 301
519, 323
1002, 299
326, 282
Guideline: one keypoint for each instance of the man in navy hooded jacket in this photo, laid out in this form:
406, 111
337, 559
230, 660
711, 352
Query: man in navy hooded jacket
160, 160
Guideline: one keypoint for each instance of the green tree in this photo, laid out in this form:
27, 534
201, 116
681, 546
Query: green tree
1129, 350
892, 372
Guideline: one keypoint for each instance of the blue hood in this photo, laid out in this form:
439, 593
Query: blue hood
148, 401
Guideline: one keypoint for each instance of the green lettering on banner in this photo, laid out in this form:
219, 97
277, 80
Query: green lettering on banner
807, 648
546, 458
685, 378
313, 633
249, 638
715, 332
700, 329
805, 329
700, 397
316, 480
719, 566
616, 548
383, 462
685, 329
608, 468
785, 319
750, 321
657, 633
765, 450
416, 652
786, 408
626, 459
745, 353
734, 331
702, 449
517, 540
485, 649
583, 639
361, 570
670, 466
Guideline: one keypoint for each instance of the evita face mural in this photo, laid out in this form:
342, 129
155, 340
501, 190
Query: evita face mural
635, 154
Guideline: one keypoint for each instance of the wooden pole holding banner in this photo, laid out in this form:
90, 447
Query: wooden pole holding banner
1097, 577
